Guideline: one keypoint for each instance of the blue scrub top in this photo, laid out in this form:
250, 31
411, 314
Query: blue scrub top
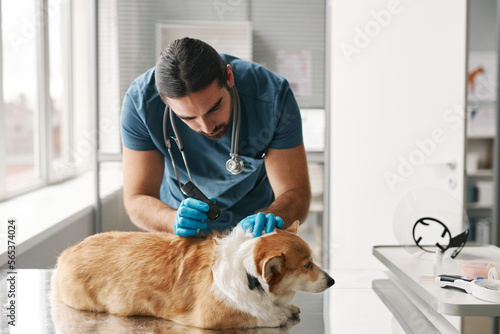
270, 118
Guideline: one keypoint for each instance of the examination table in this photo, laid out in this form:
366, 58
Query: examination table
350, 306
361, 301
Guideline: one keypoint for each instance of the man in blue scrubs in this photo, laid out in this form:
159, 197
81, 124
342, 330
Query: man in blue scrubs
196, 82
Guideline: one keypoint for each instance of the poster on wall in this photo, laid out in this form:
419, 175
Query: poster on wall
296, 67
482, 90
481, 76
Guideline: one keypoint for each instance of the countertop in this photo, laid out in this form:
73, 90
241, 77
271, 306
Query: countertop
350, 306
406, 267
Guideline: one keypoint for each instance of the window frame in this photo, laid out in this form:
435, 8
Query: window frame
43, 135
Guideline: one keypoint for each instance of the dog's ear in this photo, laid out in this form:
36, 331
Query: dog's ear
294, 227
273, 265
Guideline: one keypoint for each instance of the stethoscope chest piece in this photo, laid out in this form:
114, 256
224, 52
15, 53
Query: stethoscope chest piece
234, 165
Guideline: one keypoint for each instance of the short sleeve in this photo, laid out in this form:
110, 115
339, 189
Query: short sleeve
134, 132
288, 121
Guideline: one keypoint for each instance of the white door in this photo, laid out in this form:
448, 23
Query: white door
397, 103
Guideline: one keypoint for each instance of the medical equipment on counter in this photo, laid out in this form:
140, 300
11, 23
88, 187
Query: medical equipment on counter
493, 271
428, 219
438, 262
427, 237
474, 269
484, 289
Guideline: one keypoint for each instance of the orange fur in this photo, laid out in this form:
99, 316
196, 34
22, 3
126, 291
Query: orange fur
292, 254
162, 275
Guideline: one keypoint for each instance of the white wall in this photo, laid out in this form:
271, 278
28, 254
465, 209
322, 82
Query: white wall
397, 76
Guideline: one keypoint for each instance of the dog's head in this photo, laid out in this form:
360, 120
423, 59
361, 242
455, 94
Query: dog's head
284, 261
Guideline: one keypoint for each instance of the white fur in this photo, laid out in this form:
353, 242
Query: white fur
233, 260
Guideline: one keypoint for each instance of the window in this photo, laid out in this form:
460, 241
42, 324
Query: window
20, 97
45, 95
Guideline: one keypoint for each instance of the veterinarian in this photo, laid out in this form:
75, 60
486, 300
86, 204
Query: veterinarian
202, 87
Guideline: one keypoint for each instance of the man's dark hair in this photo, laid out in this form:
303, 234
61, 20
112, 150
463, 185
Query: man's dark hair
187, 66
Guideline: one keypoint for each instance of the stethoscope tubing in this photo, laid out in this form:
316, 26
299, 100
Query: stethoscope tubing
235, 135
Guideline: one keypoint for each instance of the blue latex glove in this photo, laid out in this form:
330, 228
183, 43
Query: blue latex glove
261, 222
190, 217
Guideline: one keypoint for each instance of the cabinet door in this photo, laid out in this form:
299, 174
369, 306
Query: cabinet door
398, 97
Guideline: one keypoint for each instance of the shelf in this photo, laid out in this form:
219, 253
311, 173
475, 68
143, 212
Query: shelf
479, 206
481, 173
471, 102
315, 156
481, 137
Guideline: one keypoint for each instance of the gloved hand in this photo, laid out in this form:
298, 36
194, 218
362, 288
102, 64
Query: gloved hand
259, 222
190, 217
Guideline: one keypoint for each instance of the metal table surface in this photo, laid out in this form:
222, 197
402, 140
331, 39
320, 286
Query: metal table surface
38, 313
352, 304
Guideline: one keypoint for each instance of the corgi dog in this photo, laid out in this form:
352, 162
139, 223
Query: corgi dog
210, 282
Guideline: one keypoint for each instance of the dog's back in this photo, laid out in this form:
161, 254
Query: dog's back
135, 273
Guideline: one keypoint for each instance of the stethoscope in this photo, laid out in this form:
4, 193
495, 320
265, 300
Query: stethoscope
234, 165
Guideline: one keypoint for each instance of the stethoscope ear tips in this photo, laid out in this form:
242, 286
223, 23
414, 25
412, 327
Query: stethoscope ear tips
235, 165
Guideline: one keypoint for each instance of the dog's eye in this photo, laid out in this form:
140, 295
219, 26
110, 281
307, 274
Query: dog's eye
307, 265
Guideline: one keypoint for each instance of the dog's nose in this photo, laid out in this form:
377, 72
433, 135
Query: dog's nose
330, 281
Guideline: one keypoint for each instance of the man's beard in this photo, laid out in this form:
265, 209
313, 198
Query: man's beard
219, 132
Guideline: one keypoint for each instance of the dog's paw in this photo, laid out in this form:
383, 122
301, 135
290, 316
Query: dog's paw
280, 321
293, 310
283, 320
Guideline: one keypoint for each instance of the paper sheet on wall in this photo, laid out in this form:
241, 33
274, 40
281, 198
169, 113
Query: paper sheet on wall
482, 78
296, 67
313, 129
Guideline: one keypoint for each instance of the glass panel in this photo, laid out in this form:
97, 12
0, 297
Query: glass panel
58, 87
19, 38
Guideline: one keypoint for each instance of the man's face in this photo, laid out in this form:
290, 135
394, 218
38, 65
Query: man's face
207, 112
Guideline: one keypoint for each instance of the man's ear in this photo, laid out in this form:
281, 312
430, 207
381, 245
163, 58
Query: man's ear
294, 227
272, 266
230, 76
